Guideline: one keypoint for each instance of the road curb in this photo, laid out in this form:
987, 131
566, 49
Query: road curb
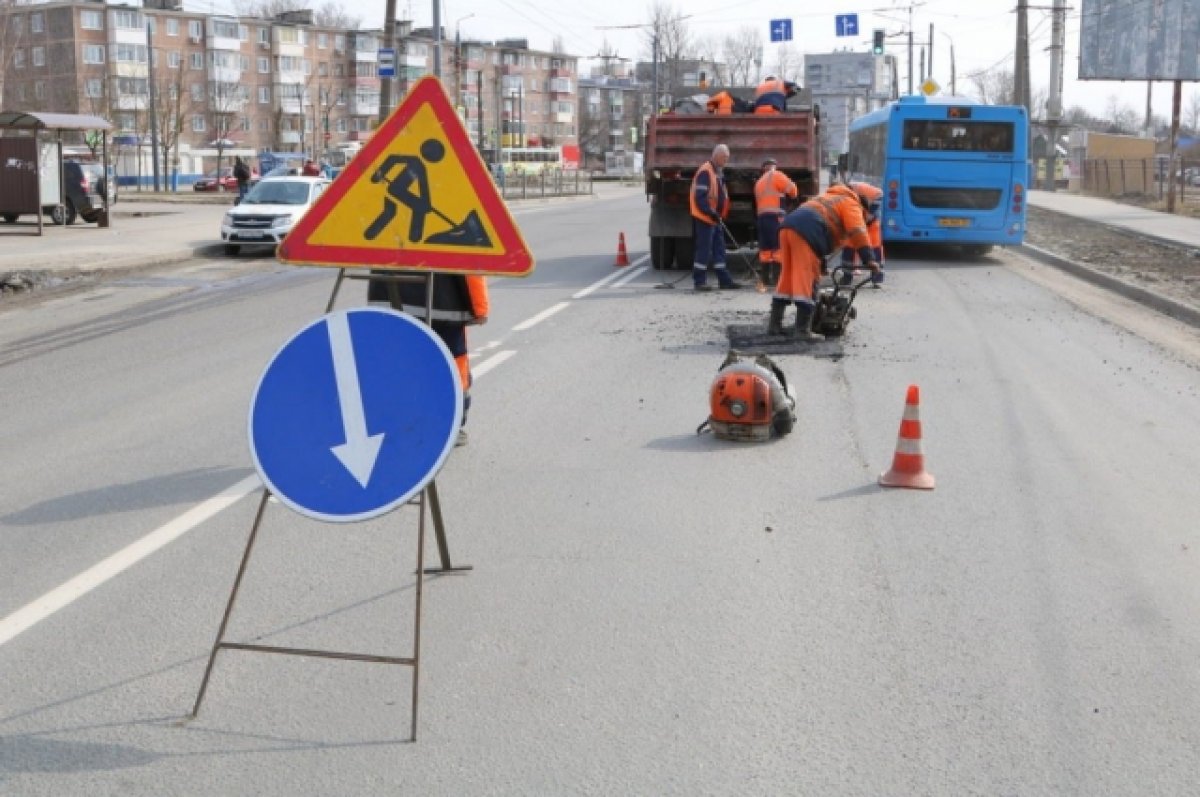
1149, 236
1156, 301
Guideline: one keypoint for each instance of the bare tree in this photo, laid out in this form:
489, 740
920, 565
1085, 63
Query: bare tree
225, 101
742, 51
668, 29
11, 38
1191, 112
594, 126
1121, 119
332, 15
788, 63
172, 105
994, 86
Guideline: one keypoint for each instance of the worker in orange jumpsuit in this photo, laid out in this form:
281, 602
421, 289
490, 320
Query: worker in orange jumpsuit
872, 201
709, 200
769, 193
720, 103
459, 301
810, 234
772, 94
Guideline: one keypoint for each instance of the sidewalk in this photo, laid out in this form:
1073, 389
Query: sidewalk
1166, 228
145, 230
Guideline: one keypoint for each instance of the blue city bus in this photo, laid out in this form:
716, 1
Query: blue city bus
953, 171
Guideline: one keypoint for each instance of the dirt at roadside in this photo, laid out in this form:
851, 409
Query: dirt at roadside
1169, 270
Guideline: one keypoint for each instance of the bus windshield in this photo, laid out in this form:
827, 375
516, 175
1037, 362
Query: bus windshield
957, 135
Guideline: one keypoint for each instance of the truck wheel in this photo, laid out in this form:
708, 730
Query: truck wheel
685, 253
656, 253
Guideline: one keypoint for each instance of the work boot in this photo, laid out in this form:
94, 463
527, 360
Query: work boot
775, 324
804, 314
461, 440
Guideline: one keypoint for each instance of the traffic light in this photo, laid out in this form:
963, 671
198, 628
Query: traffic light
877, 42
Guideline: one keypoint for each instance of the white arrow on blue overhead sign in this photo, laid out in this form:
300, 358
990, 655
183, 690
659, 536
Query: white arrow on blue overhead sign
781, 30
847, 24
355, 414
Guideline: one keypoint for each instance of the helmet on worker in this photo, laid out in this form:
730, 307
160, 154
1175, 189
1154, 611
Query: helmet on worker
870, 197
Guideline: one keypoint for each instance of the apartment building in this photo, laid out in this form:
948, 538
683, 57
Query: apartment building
847, 85
222, 83
612, 113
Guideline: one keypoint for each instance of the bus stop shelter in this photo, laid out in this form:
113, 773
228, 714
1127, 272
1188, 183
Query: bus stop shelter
31, 161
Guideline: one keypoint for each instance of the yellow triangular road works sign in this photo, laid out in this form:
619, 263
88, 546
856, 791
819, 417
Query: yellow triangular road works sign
416, 197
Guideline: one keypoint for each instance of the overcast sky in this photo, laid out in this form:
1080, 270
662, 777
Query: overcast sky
983, 33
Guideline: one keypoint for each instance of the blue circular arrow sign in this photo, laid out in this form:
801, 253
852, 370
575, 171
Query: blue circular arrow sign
355, 414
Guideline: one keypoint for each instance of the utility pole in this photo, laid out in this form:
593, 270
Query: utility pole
1176, 98
930, 49
389, 43
1058, 27
437, 39
910, 52
153, 110
1021, 67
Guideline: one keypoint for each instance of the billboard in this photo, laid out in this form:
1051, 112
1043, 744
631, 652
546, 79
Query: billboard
1139, 40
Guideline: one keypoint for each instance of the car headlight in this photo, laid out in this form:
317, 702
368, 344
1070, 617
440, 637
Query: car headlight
227, 220
282, 221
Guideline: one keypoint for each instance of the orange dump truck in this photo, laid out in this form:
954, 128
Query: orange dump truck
677, 143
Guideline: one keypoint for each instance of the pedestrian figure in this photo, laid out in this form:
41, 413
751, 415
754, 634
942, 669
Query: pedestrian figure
241, 173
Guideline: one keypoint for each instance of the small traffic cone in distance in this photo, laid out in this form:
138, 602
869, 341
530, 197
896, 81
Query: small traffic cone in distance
622, 256
908, 464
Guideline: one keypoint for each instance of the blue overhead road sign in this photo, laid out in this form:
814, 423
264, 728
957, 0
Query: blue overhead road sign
355, 414
781, 30
847, 24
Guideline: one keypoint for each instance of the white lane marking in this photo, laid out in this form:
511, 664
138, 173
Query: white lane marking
595, 286
540, 317
630, 277
491, 362
64, 595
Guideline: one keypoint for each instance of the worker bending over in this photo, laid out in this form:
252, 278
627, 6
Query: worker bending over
873, 199
810, 234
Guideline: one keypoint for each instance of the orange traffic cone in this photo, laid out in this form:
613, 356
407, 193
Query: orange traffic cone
622, 256
908, 464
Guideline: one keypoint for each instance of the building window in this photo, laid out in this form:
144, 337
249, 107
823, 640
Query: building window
195, 29
264, 65
92, 53
339, 43
130, 53
127, 19
341, 125
198, 125
264, 95
322, 69
243, 33
197, 92
339, 70
224, 30
91, 20
287, 35
264, 35
19, 58
244, 63
198, 61
37, 23
322, 41
174, 59
172, 27
39, 56
93, 87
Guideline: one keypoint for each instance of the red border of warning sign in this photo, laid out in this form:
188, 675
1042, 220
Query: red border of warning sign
514, 261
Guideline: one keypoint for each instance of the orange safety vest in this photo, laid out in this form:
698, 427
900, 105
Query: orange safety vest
770, 190
841, 211
721, 103
721, 207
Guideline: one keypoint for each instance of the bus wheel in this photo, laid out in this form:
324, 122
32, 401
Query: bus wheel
685, 253
977, 250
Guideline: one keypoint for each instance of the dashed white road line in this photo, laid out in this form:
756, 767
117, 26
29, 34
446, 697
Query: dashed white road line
67, 593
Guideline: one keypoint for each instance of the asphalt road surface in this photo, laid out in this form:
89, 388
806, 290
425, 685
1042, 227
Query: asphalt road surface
651, 611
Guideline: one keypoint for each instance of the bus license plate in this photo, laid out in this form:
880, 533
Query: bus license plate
953, 222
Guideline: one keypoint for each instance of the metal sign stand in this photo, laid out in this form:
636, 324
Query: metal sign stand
428, 497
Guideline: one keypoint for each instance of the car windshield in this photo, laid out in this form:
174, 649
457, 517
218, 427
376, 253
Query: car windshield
277, 193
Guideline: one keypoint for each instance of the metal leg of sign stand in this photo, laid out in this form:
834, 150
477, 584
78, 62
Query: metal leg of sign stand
439, 533
413, 661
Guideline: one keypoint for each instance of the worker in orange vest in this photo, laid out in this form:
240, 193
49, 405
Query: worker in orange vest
720, 103
769, 193
808, 235
772, 94
709, 200
872, 201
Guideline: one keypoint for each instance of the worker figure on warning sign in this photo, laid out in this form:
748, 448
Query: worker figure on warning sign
410, 188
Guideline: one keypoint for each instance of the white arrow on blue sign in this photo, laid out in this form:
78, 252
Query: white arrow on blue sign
355, 414
847, 24
781, 30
